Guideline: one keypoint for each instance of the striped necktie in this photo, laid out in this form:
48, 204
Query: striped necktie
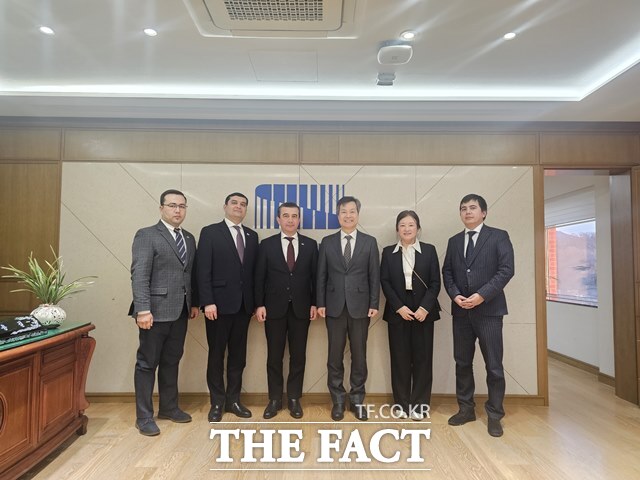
182, 249
347, 249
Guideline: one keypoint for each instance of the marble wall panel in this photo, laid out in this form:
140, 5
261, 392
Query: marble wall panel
103, 204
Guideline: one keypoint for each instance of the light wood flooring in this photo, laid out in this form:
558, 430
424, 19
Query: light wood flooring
586, 433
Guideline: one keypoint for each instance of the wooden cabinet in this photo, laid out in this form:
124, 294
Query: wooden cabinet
42, 399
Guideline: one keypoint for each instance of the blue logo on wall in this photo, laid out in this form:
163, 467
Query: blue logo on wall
317, 204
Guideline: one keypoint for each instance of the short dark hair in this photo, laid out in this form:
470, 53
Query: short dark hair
474, 196
171, 192
348, 199
288, 205
408, 213
235, 194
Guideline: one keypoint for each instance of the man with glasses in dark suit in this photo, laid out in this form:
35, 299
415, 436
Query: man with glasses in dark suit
163, 298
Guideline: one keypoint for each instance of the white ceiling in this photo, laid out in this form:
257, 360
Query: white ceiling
572, 60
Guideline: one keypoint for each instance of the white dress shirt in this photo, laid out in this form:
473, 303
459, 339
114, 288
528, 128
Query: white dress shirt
285, 244
343, 240
475, 237
234, 233
408, 261
174, 234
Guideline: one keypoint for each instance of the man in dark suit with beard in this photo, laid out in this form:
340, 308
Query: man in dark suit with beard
285, 296
227, 253
478, 265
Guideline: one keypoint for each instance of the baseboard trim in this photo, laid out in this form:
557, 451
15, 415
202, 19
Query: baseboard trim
314, 398
584, 366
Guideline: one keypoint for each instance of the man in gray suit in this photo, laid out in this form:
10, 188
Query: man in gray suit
478, 265
348, 291
162, 262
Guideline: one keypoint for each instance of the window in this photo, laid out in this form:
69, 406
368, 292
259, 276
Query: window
571, 263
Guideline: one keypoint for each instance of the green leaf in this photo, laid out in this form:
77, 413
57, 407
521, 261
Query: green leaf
47, 284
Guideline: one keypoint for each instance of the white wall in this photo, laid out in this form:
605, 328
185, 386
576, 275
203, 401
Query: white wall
586, 333
103, 204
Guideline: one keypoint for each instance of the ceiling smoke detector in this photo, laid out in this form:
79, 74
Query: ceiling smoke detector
394, 54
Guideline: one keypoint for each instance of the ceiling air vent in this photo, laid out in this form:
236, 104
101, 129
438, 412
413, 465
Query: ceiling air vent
274, 18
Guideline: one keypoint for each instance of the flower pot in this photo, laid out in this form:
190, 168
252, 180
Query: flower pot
51, 316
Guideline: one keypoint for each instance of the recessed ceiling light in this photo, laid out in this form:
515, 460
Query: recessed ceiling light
46, 30
150, 32
408, 35
509, 36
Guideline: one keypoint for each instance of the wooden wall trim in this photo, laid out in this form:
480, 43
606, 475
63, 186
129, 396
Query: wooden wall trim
33, 144
540, 284
420, 148
635, 205
180, 146
624, 318
593, 149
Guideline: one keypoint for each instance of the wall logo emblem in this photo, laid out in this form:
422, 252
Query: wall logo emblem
317, 204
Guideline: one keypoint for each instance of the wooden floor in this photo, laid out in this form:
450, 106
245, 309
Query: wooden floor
586, 433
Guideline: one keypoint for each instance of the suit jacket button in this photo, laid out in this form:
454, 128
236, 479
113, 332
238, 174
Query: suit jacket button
468, 270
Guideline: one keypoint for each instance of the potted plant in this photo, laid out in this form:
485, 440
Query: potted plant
47, 284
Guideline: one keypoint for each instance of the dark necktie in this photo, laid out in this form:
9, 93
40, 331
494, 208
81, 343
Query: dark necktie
182, 249
347, 249
291, 254
470, 245
239, 243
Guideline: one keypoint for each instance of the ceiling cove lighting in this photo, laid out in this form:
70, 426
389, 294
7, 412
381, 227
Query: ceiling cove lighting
46, 30
509, 36
150, 32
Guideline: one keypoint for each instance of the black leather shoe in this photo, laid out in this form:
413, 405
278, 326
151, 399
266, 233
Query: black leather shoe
461, 418
176, 415
215, 414
238, 410
273, 407
337, 412
359, 411
147, 427
494, 427
295, 409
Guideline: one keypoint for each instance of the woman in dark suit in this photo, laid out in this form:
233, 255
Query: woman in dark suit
410, 277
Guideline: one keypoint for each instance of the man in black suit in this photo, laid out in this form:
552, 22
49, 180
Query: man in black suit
285, 296
225, 264
478, 265
348, 295
163, 298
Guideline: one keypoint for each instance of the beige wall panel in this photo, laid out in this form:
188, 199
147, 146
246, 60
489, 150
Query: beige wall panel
98, 224
30, 144
180, 146
31, 195
589, 149
429, 148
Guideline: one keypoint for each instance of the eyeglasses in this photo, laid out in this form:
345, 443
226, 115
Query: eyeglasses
173, 206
